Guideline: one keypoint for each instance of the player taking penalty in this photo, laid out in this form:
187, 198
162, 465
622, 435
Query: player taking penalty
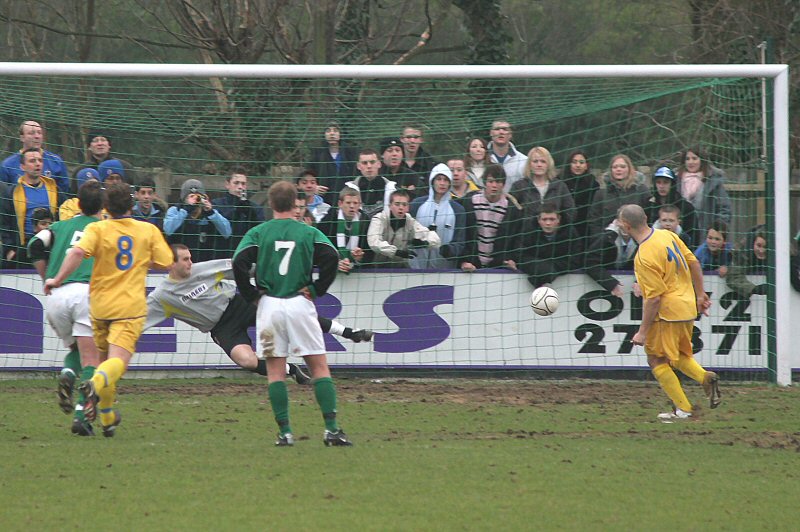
285, 252
671, 280
123, 250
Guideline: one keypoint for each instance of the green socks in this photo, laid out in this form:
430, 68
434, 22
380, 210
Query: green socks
279, 400
325, 392
73, 362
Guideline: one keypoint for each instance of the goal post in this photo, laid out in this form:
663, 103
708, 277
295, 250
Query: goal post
778, 322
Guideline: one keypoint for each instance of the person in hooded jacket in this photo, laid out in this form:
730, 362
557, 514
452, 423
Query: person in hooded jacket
443, 215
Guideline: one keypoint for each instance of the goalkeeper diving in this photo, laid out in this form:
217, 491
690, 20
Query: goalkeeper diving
204, 296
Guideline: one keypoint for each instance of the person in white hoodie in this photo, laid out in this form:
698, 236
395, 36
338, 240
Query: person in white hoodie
503, 151
444, 216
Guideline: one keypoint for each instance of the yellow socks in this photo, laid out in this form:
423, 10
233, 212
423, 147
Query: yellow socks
689, 367
672, 386
105, 405
107, 374
105, 384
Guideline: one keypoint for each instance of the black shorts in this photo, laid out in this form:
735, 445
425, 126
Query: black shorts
231, 330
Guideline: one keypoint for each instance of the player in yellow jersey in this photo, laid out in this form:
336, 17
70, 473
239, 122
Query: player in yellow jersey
671, 280
123, 250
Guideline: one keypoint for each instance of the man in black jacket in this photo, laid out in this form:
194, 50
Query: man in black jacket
552, 250
238, 210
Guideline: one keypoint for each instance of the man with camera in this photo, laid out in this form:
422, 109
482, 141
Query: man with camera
196, 223
238, 210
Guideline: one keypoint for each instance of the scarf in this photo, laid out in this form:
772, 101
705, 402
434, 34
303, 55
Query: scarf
692, 187
346, 235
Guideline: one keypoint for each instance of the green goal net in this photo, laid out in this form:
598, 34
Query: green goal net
170, 129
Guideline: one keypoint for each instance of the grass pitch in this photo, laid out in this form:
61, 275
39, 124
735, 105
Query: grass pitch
448, 455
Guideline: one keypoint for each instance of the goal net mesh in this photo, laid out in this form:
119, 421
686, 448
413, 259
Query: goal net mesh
173, 129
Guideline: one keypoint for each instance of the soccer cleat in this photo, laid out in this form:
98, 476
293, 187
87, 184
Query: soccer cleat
711, 387
675, 415
90, 403
336, 439
109, 430
362, 335
66, 385
285, 440
82, 428
299, 375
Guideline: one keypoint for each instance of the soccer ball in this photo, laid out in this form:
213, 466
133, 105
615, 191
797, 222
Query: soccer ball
544, 301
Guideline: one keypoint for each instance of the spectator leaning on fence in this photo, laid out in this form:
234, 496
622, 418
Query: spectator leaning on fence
346, 227
32, 190
393, 232
749, 258
494, 221
444, 216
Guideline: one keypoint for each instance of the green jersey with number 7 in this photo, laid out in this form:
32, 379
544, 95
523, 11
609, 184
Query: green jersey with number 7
285, 257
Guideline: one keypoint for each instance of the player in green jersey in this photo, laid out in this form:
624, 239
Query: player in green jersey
285, 252
68, 306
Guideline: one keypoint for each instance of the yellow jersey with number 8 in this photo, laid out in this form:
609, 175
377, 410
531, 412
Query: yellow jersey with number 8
662, 269
123, 249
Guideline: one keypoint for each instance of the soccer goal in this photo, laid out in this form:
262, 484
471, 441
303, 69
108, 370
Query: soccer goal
175, 122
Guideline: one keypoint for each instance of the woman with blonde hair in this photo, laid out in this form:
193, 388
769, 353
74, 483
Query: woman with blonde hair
622, 188
541, 186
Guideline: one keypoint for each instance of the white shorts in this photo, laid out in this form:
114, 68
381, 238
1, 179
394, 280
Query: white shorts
288, 327
68, 312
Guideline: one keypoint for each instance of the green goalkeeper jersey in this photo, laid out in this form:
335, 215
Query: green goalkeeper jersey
63, 235
285, 257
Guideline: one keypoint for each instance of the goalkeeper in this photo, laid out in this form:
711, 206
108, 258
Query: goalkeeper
204, 296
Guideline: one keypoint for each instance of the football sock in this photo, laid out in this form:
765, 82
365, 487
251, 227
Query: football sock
672, 386
261, 368
325, 392
73, 361
108, 373
105, 405
689, 367
279, 400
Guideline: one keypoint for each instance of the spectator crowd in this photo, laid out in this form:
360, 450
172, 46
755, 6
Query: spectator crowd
399, 207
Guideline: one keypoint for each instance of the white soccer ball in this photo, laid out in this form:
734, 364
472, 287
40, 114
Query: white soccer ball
544, 301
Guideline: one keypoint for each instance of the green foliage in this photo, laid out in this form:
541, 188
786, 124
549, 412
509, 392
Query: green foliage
454, 454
